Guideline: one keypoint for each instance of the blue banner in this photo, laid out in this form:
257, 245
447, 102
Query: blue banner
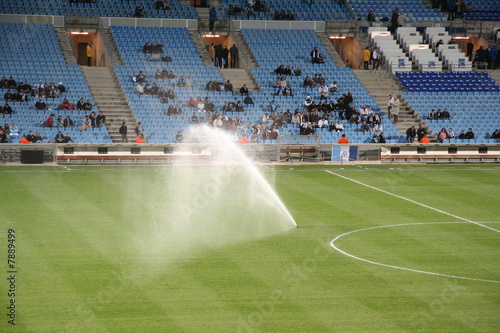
344, 153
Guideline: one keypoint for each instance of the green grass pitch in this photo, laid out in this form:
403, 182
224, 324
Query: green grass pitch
89, 255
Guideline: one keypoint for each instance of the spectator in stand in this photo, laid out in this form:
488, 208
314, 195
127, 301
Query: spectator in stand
394, 19
123, 132
371, 18
11, 83
140, 89
495, 135
228, 86
67, 138
159, 4
212, 19
323, 92
492, 60
421, 132
31, 137
87, 106
40, 104
87, 122
314, 55
66, 105
323, 123
139, 138
470, 134
68, 122
375, 58
138, 12
59, 138
3, 136
446, 114
381, 138
24, 139
343, 140
100, 119
179, 137
451, 134
410, 134
8, 96
80, 105
308, 83
366, 57
138, 129
432, 115
424, 139
4, 83
443, 135
451, 7
244, 90
38, 138
248, 100
401, 20
49, 122
59, 121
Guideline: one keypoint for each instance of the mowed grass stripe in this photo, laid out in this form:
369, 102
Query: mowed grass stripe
88, 265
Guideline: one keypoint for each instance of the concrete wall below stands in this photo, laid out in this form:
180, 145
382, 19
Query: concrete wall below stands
188, 153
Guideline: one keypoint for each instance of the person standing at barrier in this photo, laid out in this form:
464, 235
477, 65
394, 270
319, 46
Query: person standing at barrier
343, 140
212, 18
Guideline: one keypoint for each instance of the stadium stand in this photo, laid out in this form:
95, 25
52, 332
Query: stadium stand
414, 10
43, 62
268, 47
483, 10
177, 44
302, 10
101, 8
472, 98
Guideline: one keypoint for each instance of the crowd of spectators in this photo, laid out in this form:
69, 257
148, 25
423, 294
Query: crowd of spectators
20, 92
439, 114
280, 14
288, 71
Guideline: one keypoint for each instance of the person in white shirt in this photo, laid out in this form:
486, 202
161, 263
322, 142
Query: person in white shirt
390, 102
323, 123
339, 127
139, 88
395, 109
375, 60
363, 110
323, 92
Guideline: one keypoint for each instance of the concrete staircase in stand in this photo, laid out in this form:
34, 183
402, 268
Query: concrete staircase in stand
111, 49
111, 100
247, 58
379, 85
64, 43
331, 49
495, 75
239, 77
201, 48
221, 26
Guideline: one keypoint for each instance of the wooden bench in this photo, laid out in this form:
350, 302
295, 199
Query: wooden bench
301, 153
437, 157
67, 159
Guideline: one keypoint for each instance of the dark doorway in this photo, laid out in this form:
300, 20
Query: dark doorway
82, 54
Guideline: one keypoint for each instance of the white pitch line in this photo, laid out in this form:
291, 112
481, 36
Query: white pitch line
398, 267
413, 201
